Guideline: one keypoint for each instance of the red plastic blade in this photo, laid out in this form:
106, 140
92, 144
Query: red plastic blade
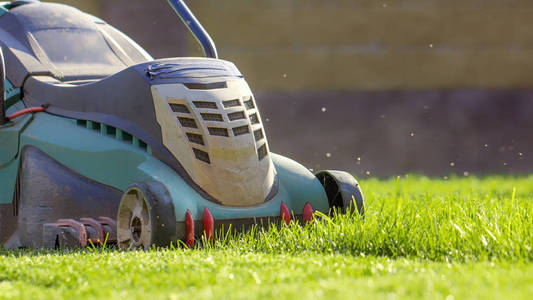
308, 213
209, 224
285, 214
189, 229
80, 228
97, 226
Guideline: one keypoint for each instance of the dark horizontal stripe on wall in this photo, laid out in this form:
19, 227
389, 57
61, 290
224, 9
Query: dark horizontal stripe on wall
392, 133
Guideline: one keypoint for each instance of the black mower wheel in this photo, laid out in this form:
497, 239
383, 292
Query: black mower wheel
146, 217
342, 189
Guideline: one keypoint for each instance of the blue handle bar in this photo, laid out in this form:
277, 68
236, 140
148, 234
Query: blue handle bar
194, 27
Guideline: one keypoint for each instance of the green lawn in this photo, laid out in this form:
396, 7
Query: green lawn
422, 238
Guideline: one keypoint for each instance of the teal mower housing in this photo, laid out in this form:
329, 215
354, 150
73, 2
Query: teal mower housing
100, 143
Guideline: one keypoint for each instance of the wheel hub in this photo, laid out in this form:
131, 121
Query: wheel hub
136, 229
133, 221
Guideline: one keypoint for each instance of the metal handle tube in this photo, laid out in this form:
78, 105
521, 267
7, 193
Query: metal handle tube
3, 119
194, 27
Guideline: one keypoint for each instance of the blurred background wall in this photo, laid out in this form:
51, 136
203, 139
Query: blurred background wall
375, 87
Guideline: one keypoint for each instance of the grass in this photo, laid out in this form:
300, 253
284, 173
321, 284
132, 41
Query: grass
464, 237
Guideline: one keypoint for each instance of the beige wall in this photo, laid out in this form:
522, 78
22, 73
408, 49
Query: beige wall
353, 44
374, 45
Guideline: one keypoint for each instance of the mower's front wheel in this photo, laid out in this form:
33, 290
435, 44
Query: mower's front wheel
146, 217
343, 191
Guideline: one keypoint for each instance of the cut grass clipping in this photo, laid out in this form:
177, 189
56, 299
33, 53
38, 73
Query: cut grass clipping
421, 238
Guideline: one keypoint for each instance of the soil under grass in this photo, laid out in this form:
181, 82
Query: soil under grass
421, 238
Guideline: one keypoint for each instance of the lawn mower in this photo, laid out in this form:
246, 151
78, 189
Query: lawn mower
100, 143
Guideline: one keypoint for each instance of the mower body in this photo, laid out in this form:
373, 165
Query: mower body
113, 117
